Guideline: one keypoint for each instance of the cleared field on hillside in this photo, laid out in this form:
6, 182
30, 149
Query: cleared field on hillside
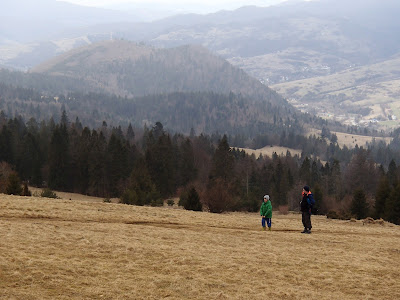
269, 151
374, 87
62, 249
351, 140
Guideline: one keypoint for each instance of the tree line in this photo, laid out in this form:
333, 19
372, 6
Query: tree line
144, 166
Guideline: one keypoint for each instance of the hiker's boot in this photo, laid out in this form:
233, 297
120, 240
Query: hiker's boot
304, 231
269, 228
308, 231
264, 228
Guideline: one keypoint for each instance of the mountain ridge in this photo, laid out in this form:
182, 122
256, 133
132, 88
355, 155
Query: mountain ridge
129, 69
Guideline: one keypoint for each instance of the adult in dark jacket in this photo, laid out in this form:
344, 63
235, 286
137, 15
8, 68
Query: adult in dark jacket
305, 206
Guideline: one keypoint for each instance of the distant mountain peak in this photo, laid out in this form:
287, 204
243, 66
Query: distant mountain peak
132, 69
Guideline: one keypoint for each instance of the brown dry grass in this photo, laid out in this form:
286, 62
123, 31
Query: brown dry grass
269, 151
62, 249
351, 140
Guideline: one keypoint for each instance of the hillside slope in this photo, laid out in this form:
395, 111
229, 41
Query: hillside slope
129, 69
53, 248
360, 95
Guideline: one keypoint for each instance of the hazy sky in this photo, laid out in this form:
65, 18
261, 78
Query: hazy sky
189, 3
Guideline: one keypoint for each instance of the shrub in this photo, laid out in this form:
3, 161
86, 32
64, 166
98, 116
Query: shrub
332, 215
217, 197
170, 202
107, 200
5, 171
26, 191
191, 200
13, 185
157, 202
48, 193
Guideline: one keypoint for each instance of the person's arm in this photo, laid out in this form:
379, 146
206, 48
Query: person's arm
269, 209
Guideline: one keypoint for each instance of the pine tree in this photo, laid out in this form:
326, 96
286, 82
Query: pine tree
141, 190
191, 200
319, 200
117, 164
359, 205
392, 206
223, 161
130, 135
97, 183
59, 159
187, 170
161, 165
305, 171
382, 194
392, 173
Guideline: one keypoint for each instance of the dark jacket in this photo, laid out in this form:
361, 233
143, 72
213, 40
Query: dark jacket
305, 204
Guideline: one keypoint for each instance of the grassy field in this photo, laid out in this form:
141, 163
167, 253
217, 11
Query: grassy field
72, 249
348, 139
268, 151
351, 140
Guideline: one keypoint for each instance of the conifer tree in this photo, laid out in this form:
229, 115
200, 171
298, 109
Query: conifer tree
141, 190
392, 206
319, 200
381, 197
305, 171
191, 200
223, 161
117, 164
359, 205
130, 134
160, 162
392, 173
187, 170
59, 160
97, 183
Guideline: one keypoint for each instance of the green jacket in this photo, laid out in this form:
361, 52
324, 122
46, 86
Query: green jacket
266, 209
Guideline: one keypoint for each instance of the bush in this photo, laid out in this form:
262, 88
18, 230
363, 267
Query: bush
157, 202
48, 193
191, 200
13, 185
332, 215
170, 202
26, 191
107, 200
5, 171
342, 215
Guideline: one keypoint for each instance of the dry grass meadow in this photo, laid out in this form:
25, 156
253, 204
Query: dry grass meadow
270, 150
73, 249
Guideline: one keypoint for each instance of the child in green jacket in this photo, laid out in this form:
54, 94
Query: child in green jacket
266, 213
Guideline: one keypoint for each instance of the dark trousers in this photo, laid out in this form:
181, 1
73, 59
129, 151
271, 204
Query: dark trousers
306, 219
268, 220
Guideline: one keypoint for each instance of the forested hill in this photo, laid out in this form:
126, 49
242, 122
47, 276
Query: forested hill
128, 69
204, 112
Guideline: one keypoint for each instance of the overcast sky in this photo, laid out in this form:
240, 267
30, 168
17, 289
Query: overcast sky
189, 4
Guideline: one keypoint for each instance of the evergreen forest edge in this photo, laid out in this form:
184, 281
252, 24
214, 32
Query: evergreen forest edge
143, 166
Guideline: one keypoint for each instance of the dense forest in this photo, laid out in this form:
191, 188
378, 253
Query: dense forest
143, 166
204, 112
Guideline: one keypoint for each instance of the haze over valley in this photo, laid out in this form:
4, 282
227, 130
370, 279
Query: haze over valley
330, 58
